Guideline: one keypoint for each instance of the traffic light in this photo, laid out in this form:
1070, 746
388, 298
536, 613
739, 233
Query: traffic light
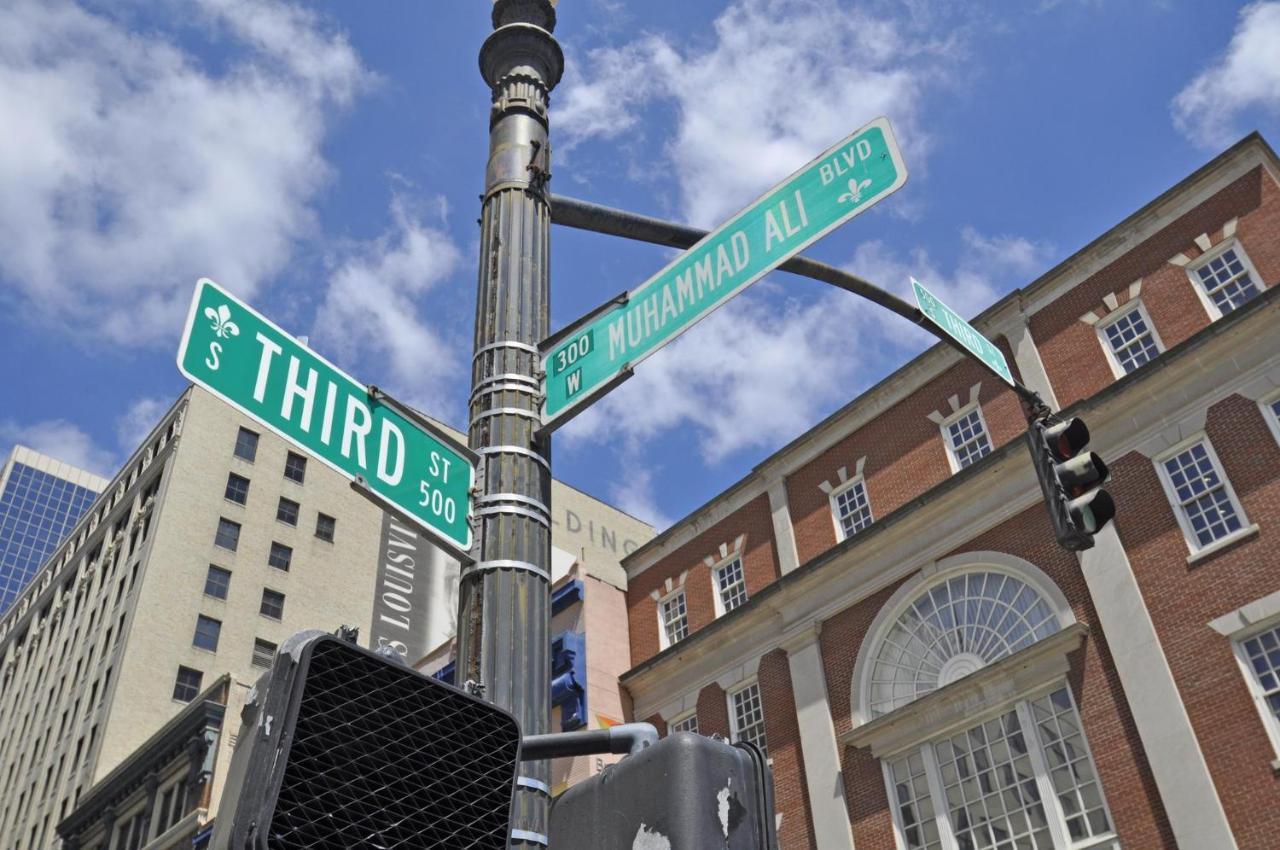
340, 747
1071, 480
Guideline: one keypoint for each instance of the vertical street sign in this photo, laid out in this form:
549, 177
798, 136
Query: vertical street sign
587, 359
962, 332
243, 358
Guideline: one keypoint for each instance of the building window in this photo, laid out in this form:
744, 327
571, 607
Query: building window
957, 627
247, 445
675, 617
852, 508
1202, 498
966, 438
1260, 655
217, 582
207, 631
287, 511
237, 489
325, 526
1025, 779
295, 467
263, 652
1225, 278
281, 556
746, 716
272, 604
228, 536
1271, 413
1129, 339
730, 585
688, 723
187, 686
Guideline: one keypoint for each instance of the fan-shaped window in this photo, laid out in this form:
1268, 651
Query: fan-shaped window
955, 628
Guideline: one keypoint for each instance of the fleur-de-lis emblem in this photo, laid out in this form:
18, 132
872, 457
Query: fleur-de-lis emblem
222, 324
854, 195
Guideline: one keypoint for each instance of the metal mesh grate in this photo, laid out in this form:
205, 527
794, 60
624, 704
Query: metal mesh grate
384, 758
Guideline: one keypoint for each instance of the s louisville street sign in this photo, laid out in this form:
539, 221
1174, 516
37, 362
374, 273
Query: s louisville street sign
243, 358
962, 332
586, 360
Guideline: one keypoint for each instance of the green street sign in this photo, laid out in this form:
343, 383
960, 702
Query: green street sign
962, 332
591, 357
240, 356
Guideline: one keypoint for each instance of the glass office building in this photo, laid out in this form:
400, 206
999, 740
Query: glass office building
41, 498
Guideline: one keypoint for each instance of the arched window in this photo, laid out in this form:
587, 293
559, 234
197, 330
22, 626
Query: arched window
952, 629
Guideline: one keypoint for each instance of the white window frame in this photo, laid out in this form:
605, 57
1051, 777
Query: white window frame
692, 714
1021, 704
1269, 721
715, 583
1175, 504
946, 435
1272, 418
1213, 253
1117, 368
835, 504
734, 731
663, 641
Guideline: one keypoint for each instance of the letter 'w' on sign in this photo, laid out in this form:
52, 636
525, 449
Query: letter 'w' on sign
240, 356
594, 354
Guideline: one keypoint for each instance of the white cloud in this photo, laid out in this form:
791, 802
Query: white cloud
136, 423
780, 83
1247, 76
764, 368
63, 440
634, 492
371, 307
130, 168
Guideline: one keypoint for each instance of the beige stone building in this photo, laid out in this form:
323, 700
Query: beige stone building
148, 625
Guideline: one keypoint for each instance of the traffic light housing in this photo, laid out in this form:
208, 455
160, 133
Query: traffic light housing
340, 747
1070, 478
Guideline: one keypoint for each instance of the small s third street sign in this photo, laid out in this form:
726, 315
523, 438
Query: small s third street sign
962, 332
243, 358
583, 362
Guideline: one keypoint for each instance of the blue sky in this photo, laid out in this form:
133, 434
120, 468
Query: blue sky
324, 161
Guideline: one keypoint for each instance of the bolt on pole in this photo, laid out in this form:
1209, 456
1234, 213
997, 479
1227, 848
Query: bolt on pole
504, 597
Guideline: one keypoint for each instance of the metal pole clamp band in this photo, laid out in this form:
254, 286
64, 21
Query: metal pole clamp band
497, 499
533, 784
531, 837
513, 509
510, 343
507, 377
513, 450
504, 564
513, 411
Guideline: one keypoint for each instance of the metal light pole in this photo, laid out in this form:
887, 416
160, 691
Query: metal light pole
504, 598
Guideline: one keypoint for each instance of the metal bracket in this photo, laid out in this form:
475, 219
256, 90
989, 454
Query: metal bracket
619, 300
382, 397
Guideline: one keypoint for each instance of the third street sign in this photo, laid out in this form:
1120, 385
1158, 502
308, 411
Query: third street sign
240, 356
585, 361
962, 332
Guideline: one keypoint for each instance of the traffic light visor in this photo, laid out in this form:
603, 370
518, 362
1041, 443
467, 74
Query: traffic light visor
1066, 439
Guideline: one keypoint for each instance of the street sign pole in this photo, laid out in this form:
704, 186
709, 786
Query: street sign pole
504, 598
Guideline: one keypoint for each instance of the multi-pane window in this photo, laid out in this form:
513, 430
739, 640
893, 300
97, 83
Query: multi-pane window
187, 685
688, 723
853, 509
295, 467
325, 526
1205, 505
1227, 279
237, 489
247, 445
675, 617
228, 536
217, 582
272, 604
967, 438
731, 584
1025, 779
287, 511
1130, 340
263, 652
747, 716
1262, 653
207, 632
1271, 411
281, 556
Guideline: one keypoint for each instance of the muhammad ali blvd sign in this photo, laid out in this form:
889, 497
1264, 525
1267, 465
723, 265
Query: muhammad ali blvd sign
595, 354
243, 358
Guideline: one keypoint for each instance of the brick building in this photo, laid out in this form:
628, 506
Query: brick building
881, 602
